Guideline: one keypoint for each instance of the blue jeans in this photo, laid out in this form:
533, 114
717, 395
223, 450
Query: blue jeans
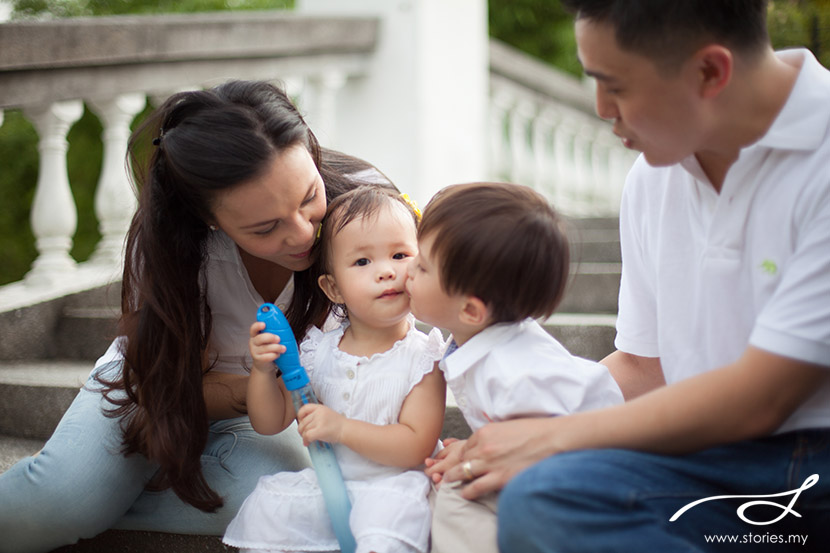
621, 501
80, 485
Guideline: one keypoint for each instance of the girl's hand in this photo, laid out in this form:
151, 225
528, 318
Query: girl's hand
319, 423
265, 348
444, 459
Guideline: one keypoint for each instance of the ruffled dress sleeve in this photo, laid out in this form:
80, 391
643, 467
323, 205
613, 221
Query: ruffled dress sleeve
309, 347
430, 349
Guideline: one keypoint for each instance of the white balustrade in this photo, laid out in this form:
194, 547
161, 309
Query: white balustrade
54, 216
115, 200
320, 101
568, 154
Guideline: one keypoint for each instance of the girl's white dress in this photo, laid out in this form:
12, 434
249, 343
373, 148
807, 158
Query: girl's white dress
390, 509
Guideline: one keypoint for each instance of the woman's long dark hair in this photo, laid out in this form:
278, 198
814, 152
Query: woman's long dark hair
205, 142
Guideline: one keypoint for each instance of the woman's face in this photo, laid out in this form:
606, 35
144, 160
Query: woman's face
275, 216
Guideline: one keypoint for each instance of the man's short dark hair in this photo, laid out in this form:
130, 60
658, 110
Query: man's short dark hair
668, 31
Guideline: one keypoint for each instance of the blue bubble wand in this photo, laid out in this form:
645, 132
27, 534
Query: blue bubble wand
323, 459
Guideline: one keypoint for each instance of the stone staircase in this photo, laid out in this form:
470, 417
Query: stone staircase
47, 351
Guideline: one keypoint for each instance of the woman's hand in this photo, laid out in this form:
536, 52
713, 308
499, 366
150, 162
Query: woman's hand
319, 423
265, 348
445, 459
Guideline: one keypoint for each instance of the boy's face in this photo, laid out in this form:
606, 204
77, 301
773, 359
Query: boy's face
427, 299
654, 113
368, 266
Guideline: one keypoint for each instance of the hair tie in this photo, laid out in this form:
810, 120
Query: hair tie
157, 140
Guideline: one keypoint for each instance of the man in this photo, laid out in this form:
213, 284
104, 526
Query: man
725, 294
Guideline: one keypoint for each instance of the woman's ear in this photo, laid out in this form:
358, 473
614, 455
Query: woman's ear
329, 287
474, 312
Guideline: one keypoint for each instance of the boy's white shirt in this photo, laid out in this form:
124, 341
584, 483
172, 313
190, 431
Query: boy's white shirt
750, 265
514, 370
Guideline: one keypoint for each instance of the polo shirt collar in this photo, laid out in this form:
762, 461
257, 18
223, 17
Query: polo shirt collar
473, 350
803, 121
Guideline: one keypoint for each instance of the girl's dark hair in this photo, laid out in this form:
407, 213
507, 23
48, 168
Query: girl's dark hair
364, 201
667, 32
205, 142
502, 243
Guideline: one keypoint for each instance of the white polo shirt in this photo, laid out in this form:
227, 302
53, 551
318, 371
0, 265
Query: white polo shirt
707, 274
513, 370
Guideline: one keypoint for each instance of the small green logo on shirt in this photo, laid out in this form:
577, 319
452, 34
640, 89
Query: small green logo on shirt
769, 267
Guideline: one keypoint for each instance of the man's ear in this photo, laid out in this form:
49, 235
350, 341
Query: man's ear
474, 312
329, 287
714, 64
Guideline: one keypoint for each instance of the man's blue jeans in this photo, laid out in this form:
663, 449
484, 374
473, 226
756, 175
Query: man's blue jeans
621, 501
80, 484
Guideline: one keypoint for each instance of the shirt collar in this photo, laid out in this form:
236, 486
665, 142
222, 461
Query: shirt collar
458, 361
804, 119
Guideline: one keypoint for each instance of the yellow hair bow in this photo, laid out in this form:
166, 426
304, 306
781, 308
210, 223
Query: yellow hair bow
411, 203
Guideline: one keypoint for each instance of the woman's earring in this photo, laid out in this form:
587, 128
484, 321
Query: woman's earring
319, 231
212, 227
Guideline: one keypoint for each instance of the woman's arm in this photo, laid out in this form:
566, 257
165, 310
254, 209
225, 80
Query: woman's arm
746, 399
225, 394
404, 444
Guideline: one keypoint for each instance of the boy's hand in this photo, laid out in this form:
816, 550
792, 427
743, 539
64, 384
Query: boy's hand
319, 423
444, 459
265, 348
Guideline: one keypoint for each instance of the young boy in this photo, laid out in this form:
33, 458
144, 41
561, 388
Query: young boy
725, 226
492, 257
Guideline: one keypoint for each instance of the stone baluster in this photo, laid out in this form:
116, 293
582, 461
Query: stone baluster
499, 109
544, 179
563, 152
322, 106
520, 154
115, 200
54, 215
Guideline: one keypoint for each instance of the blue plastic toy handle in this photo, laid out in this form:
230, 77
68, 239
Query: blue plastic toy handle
293, 373
322, 455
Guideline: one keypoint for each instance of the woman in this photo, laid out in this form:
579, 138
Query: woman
231, 199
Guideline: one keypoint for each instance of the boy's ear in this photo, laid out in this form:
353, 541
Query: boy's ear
474, 312
329, 287
715, 64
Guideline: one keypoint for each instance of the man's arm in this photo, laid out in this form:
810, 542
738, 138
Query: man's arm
635, 375
746, 399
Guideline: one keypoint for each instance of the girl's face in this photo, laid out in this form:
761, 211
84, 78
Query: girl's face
275, 216
367, 267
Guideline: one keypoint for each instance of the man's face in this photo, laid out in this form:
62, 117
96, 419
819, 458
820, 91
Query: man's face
653, 112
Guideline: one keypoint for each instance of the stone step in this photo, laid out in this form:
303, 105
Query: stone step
596, 246
592, 288
130, 541
51, 385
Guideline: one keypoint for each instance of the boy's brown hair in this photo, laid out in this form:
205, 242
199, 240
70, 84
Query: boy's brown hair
502, 243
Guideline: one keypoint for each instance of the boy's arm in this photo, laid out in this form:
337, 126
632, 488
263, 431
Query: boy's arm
635, 375
746, 399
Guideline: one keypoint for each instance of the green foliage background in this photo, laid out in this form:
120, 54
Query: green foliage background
538, 27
